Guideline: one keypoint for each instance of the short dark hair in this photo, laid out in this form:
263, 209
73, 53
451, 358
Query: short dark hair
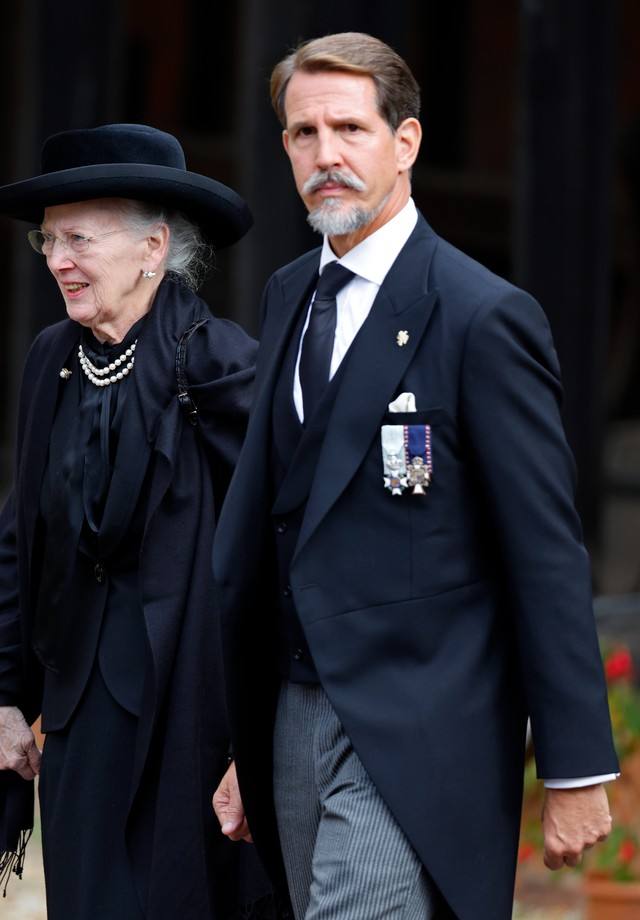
353, 52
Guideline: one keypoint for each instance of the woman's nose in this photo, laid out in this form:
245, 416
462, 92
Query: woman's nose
58, 255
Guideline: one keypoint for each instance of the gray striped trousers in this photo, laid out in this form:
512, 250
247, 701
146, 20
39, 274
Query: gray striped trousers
345, 855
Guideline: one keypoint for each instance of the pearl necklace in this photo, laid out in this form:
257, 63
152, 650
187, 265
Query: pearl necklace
97, 375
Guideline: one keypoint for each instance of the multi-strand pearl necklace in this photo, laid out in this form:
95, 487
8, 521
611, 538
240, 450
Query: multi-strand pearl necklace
98, 375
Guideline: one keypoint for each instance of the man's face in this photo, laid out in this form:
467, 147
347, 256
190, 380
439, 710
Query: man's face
350, 169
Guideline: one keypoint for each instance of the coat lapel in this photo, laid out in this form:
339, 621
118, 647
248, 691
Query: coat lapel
376, 363
285, 308
287, 428
250, 493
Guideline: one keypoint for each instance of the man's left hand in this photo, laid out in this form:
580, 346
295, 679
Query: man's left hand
573, 820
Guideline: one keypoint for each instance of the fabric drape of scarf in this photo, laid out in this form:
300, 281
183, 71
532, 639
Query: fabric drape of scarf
78, 487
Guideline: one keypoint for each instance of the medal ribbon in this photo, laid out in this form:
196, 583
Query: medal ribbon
417, 439
394, 458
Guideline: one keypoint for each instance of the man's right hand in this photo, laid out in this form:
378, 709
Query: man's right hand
228, 807
18, 749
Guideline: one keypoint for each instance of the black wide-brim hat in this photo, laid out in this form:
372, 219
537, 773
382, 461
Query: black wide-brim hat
127, 161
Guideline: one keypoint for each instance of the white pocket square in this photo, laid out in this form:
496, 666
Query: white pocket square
406, 402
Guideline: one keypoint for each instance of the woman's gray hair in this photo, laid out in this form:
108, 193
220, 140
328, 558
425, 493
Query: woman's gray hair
189, 256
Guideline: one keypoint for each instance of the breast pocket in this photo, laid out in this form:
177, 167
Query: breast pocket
432, 417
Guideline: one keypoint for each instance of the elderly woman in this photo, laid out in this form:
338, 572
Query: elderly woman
131, 416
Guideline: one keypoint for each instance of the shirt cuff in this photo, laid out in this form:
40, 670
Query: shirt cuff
580, 781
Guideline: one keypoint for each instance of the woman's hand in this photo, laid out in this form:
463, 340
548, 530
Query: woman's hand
18, 749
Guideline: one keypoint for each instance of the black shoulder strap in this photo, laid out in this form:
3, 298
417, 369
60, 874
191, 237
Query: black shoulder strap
187, 405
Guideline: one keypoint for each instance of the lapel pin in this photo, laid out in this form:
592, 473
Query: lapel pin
402, 337
65, 373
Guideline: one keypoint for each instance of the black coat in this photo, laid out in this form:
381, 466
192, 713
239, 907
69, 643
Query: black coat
182, 867
437, 623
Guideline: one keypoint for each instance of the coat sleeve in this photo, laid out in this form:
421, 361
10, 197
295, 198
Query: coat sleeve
17, 684
511, 398
16, 794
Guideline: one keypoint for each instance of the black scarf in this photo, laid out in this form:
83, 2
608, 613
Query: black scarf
83, 454
16, 823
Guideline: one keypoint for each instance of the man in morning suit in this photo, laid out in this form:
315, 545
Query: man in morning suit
400, 565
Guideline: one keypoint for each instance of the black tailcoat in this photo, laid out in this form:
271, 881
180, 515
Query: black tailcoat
437, 624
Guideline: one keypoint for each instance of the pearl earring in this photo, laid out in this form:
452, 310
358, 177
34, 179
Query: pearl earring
149, 274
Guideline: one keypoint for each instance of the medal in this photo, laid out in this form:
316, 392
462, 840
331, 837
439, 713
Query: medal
417, 441
394, 458
406, 458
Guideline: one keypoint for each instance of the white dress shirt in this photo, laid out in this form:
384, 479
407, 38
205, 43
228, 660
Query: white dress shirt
370, 261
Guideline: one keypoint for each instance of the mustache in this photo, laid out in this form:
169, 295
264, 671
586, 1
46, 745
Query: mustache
318, 179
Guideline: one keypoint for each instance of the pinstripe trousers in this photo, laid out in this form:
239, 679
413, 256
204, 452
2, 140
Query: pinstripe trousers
345, 855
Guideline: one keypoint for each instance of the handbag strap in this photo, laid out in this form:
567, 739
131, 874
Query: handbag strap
187, 405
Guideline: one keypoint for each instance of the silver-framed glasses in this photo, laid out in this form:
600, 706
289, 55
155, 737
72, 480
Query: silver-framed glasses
44, 242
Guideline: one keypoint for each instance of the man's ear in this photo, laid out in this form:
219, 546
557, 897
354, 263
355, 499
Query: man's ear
408, 138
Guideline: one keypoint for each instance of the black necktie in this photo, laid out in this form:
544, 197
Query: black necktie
317, 344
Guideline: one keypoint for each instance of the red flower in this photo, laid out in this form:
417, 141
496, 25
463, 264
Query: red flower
627, 851
619, 665
525, 852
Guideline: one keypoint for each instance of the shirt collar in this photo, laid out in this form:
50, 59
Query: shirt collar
374, 256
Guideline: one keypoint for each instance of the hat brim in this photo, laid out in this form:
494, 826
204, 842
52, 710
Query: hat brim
222, 215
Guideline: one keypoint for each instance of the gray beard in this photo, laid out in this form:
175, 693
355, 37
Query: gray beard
331, 220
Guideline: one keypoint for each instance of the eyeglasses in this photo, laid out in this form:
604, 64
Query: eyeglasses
44, 242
